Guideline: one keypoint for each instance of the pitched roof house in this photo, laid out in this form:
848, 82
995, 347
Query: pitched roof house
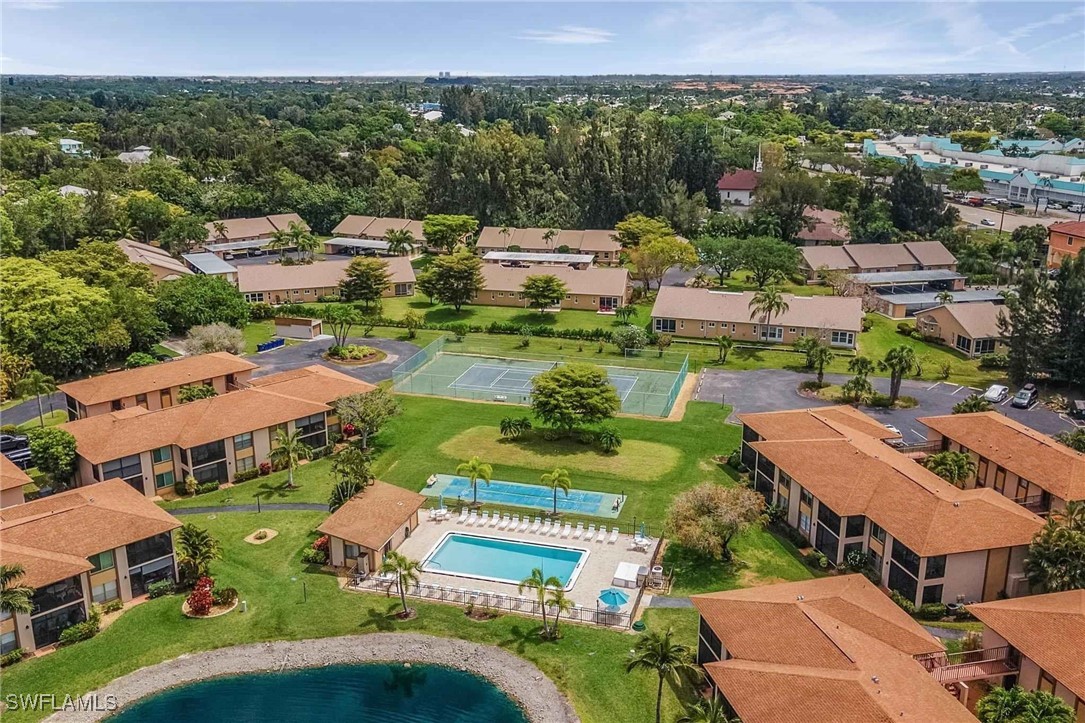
370, 524
276, 284
591, 289
877, 258
164, 266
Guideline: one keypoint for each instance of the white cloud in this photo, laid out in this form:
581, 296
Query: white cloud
569, 35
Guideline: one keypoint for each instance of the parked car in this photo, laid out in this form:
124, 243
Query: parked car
990, 201
1076, 208
21, 458
1055, 205
996, 393
1077, 409
1026, 396
987, 222
256, 252
12, 442
894, 430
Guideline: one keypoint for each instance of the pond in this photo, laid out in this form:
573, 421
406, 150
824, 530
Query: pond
370, 692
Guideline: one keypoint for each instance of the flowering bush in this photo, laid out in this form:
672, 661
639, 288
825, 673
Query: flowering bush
349, 430
200, 601
265, 469
321, 543
205, 583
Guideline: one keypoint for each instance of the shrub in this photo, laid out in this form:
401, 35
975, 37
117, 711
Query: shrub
265, 469
314, 557
867, 324
609, 439
160, 589
84, 630
879, 400
351, 352
905, 401
812, 385
793, 535
139, 359
321, 543
904, 603
11, 658
857, 561
629, 338
113, 606
775, 514
213, 338
328, 299
260, 535
817, 560
994, 361
207, 487
931, 611
459, 329
200, 601
905, 327
9, 429
224, 596
246, 475
260, 312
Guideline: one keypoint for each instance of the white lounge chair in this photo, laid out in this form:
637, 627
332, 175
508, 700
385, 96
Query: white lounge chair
495, 518
472, 519
590, 533
545, 530
535, 525
505, 519
514, 522
566, 529
613, 536
484, 520
579, 531
523, 524
601, 534
556, 529
463, 516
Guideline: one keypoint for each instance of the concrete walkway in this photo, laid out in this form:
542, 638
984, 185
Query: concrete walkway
264, 506
658, 601
536, 694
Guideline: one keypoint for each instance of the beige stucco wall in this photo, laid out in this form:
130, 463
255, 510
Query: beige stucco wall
9, 498
743, 330
965, 574
584, 302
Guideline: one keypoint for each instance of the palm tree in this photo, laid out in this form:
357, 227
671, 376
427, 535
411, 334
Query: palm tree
305, 242
559, 603
557, 480
944, 297
343, 492
220, 230
406, 571
712, 710
1016, 705
898, 361
540, 585
352, 465
15, 598
819, 356
724, 344
625, 313
280, 240
197, 549
860, 366
768, 302
670, 660
953, 467
400, 241
35, 383
289, 450
971, 404
474, 470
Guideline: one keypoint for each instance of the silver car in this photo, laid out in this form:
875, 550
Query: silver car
996, 393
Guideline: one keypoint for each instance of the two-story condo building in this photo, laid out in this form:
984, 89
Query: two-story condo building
1015, 461
210, 439
12, 481
844, 489
156, 386
80, 547
819, 651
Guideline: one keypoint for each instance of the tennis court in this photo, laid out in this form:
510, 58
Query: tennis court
492, 378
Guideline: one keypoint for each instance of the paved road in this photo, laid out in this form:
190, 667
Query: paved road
767, 390
25, 411
301, 355
974, 215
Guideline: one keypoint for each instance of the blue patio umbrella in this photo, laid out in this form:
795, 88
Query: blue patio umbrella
613, 597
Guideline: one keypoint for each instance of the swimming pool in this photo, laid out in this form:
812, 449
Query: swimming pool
499, 560
582, 502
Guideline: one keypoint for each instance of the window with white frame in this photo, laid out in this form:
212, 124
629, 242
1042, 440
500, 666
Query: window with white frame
843, 338
255, 297
666, 326
105, 592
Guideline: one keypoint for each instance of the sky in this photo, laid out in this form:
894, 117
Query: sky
534, 38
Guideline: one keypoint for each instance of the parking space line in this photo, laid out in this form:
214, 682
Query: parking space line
956, 390
933, 386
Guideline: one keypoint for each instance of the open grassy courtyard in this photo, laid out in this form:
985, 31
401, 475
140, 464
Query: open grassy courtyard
288, 600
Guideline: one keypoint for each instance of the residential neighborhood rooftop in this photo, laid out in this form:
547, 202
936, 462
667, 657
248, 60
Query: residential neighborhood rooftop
538, 257
132, 382
979, 320
378, 227
319, 274
11, 477
741, 179
596, 280
259, 226
52, 536
208, 263
828, 312
1020, 449
878, 256
373, 517
141, 253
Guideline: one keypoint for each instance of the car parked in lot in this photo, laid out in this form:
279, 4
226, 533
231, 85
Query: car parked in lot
987, 222
996, 393
13, 442
21, 458
1026, 396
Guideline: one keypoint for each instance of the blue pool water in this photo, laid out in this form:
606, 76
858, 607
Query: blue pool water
371, 693
509, 561
599, 504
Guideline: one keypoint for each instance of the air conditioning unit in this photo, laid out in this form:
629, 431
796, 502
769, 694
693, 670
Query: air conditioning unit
1017, 585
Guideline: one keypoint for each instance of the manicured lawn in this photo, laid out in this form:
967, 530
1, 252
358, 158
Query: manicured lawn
53, 418
760, 558
740, 281
883, 336
587, 663
257, 332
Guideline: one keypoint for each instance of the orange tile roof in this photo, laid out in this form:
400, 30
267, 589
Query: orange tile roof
274, 399
52, 536
1020, 449
808, 424
11, 477
832, 649
1047, 629
130, 382
373, 517
860, 475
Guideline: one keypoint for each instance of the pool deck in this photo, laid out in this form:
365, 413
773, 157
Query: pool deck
596, 575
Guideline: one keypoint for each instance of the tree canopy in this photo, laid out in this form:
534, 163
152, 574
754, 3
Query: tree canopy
572, 395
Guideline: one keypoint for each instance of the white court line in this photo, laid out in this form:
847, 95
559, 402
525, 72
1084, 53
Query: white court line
627, 391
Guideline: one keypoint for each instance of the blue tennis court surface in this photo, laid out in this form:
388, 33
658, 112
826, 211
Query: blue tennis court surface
488, 377
582, 502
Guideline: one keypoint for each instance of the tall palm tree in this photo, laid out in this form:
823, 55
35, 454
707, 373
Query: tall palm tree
1016, 705
819, 357
406, 571
557, 480
35, 383
400, 241
944, 297
541, 585
301, 239
670, 660
289, 450
352, 465
953, 467
559, 603
724, 344
15, 598
898, 361
196, 550
712, 710
343, 492
220, 230
768, 302
474, 470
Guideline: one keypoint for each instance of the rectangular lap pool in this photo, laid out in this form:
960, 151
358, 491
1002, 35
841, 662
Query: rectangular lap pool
499, 560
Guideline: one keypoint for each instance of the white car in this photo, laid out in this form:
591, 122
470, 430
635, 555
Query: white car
894, 430
987, 222
996, 393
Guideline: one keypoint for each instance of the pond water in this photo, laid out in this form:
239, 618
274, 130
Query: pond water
371, 692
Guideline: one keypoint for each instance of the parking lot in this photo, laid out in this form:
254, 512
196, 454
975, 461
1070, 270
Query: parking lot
768, 390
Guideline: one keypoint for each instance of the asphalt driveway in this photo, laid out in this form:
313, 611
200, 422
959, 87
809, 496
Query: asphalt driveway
286, 358
769, 390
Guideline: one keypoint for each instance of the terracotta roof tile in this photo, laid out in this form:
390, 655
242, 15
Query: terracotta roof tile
11, 477
1047, 629
373, 517
142, 380
741, 179
812, 423
1020, 449
353, 225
